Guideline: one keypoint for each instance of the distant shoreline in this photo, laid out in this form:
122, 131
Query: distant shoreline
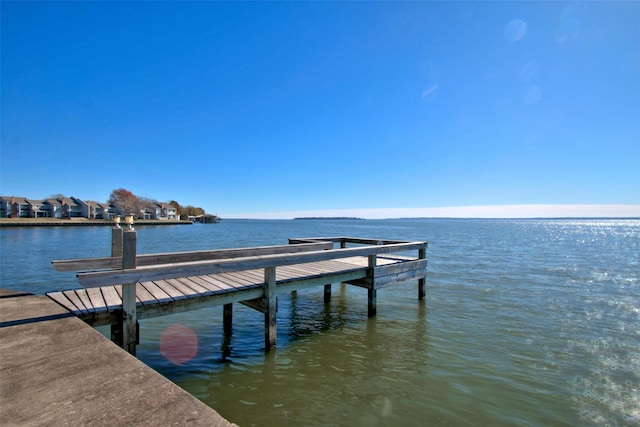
78, 222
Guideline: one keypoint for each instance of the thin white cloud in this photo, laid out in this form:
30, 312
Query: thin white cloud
496, 211
430, 91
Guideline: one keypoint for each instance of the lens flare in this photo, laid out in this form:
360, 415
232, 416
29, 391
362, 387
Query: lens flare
515, 30
178, 344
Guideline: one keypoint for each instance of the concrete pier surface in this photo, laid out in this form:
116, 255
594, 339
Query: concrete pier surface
57, 370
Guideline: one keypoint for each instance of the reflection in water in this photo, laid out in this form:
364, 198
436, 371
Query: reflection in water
342, 362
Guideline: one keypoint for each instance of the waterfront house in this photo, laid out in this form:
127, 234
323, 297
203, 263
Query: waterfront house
93, 210
21, 207
151, 212
38, 208
5, 207
14, 207
167, 211
70, 208
54, 207
159, 211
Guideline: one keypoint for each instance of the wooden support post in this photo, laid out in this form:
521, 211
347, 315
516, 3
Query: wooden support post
270, 314
116, 242
343, 245
327, 293
116, 252
422, 254
372, 292
227, 319
129, 315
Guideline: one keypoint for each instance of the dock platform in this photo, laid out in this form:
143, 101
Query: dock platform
57, 370
124, 288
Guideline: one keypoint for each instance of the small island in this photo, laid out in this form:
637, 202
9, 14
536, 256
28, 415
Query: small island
329, 217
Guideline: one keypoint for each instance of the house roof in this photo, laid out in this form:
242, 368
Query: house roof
67, 201
14, 199
97, 204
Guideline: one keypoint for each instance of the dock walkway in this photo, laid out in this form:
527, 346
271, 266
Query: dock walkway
101, 306
123, 288
57, 370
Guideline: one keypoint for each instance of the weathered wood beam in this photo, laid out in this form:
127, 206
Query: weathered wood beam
115, 261
260, 304
395, 274
116, 244
170, 271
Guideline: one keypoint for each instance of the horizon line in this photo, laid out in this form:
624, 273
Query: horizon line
528, 211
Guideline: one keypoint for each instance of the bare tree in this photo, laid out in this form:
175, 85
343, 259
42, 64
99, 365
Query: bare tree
125, 201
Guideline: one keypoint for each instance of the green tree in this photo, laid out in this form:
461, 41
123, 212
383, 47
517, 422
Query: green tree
192, 210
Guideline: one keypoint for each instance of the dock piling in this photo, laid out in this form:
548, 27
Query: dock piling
327, 293
422, 254
116, 252
227, 319
270, 314
129, 315
372, 293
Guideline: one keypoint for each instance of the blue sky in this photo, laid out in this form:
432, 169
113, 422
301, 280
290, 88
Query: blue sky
280, 109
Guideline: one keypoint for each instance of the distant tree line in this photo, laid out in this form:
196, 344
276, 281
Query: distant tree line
127, 202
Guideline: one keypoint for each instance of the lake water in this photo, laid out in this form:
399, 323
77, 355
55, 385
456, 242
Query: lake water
526, 322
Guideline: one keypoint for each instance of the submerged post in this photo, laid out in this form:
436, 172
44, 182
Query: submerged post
227, 319
422, 254
327, 293
129, 315
270, 313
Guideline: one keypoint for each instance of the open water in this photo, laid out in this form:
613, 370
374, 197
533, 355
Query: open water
526, 322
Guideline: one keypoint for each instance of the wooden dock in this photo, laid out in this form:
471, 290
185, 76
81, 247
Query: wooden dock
121, 289
57, 370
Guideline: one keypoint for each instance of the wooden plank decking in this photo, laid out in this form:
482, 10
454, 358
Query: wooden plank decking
102, 305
